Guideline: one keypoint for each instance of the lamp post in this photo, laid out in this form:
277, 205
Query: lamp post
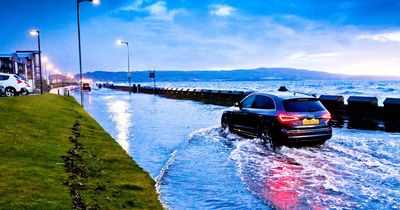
79, 42
129, 69
37, 33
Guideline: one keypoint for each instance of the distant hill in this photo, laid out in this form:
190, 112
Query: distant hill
260, 74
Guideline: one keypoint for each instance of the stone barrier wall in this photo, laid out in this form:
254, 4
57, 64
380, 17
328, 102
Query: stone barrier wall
360, 112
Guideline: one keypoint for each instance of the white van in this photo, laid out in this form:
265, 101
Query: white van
14, 85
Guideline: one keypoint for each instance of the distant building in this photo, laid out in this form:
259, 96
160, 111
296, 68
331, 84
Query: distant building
9, 63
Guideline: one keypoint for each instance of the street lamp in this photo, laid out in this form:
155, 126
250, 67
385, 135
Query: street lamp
79, 42
37, 33
129, 69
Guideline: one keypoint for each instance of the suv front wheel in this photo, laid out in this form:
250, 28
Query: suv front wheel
267, 139
224, 123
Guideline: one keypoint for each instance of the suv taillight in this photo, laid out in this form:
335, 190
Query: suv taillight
284, 118
19, 81
327, 116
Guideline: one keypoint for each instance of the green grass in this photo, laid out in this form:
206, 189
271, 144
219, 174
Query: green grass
34, 138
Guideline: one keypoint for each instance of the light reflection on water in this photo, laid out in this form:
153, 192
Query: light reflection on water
122, 117
200, 167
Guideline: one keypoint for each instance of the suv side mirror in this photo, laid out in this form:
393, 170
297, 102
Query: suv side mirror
237, 104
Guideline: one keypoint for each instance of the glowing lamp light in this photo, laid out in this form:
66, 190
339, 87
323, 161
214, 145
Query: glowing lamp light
119, 41
70, 76
45, 59
50, 66
34, 32
96, 2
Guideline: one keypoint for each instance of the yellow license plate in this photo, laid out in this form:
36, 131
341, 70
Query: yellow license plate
310, 122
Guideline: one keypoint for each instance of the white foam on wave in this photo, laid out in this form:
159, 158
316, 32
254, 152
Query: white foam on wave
203, 132
164, 170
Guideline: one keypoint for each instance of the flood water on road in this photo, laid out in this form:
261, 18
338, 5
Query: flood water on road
198, 166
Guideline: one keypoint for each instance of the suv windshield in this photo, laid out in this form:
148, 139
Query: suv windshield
303, 105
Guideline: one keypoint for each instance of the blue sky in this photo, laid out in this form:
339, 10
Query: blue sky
343, 36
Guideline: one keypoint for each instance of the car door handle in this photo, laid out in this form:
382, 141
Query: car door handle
245, 113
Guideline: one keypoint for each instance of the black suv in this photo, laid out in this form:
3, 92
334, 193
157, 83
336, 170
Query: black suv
280, 118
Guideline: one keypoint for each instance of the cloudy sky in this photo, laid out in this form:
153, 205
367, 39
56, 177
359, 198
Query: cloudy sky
342, 36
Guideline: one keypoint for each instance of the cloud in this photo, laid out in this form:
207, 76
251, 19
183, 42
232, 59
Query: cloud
303, 55
156, 11
221, 10
383, 37
160, 11
135, 6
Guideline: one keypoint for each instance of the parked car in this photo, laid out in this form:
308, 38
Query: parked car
86, 86
14, 85
280, 118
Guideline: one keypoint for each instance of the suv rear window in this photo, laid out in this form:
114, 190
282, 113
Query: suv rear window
303, 105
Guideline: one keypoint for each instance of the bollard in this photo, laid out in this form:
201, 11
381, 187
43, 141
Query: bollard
391, 111
332, 101
362, 104
392, 108
362, 111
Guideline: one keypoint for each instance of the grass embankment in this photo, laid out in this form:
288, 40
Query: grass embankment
53, 155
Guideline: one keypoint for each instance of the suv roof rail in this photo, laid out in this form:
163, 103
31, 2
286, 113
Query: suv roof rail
309, 94
284, 89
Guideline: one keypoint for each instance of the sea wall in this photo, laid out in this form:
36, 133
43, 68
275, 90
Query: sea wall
360, 112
